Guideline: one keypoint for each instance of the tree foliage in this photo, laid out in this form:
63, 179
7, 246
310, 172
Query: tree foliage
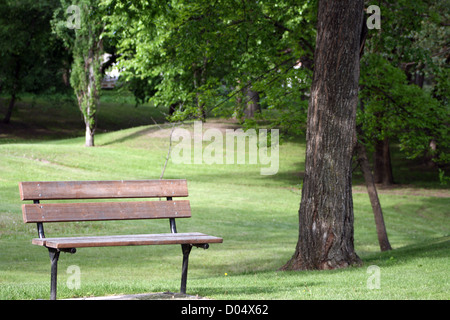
392, 107
31, 60
202, 54
404, 79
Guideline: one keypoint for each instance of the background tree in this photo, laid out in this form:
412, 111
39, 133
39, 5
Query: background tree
31, 59
402, 71
326, 209
200, 55
86, 45
197, 57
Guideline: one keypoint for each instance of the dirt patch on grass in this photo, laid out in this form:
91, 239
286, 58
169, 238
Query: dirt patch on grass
164, 130
403, 189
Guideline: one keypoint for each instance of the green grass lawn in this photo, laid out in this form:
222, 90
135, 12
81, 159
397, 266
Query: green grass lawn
256, 216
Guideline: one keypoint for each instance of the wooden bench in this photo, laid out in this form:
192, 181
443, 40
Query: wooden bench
41, 213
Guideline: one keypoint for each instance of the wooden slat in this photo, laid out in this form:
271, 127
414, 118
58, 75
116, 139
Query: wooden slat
59, 212
127, 240
56, 190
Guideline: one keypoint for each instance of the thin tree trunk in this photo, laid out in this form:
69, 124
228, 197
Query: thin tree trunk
89, 142
91, 97
326, 209
201, 112
431, 155
367, 173
373, 196
238, 106
200, 73
12, 101
253, 105
382, 168
8, 114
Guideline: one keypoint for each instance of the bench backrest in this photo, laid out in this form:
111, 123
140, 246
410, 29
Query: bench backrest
93, 211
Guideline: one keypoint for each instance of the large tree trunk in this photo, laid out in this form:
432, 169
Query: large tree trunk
326, 209
382, 168
373, 196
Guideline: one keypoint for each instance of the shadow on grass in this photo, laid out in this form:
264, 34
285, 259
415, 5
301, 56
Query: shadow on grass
430, 249
131, 136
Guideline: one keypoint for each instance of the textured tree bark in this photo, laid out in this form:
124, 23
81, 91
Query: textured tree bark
326, 209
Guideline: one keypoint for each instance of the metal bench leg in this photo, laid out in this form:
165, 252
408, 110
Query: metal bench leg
186, 248
54, 256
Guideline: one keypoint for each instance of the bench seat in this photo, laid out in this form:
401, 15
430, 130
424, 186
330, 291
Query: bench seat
139, 202
193, 238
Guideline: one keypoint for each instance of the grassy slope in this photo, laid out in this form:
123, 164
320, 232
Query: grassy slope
256, 215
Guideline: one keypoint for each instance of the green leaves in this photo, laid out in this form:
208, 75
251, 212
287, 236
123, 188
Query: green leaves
30, 58
404, 79
392, 107
203, 53
86, 45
